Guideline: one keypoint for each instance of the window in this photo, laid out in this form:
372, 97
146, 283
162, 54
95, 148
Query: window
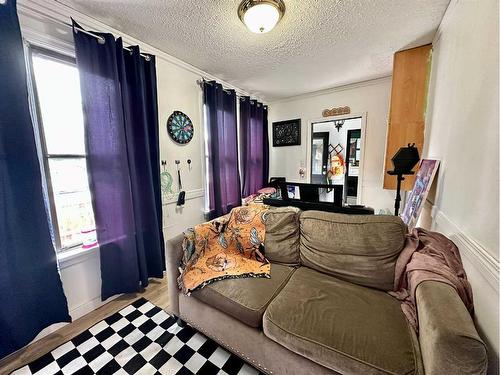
62, 145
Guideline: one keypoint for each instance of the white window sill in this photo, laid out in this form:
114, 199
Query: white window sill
76, 255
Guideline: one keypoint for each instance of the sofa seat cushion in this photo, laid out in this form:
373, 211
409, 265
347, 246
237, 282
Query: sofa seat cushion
245, 299
343, 326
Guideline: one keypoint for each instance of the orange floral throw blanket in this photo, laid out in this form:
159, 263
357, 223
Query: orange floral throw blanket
231, 246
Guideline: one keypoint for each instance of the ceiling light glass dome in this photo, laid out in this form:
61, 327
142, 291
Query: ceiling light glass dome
261, 16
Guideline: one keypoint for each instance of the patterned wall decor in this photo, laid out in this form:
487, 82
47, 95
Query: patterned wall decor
286, 133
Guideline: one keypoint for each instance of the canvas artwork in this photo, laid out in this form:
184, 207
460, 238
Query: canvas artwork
418, 195
286, 133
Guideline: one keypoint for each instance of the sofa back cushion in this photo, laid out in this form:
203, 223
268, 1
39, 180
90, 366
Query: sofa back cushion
283, 235
362, 249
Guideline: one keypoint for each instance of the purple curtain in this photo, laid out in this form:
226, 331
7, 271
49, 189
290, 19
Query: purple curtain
121, 133
254, 145
224, 180
31, 293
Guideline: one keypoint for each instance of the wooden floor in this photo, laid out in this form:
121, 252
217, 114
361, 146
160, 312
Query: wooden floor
156, 293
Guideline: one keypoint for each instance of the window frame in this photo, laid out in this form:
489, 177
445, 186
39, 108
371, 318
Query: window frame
44, 155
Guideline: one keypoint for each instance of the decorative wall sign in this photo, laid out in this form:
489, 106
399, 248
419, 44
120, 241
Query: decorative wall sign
336, 111
286, 133
180, 128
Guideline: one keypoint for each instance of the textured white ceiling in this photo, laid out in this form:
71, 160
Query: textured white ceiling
317, 45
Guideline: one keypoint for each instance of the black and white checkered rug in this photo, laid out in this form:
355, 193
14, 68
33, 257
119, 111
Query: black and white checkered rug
140, 339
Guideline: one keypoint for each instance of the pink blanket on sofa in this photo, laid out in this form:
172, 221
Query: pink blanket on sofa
428, 256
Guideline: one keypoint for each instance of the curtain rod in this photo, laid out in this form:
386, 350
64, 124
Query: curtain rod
203, 81
101, 40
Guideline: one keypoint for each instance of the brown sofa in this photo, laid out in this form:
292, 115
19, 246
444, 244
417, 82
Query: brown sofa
325, 309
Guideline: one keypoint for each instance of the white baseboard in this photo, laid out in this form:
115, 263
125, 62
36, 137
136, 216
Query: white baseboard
75, 313
485, 263
89, 306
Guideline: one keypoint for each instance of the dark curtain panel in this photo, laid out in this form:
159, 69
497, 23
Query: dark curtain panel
31, 293
265, 154
222, 138
121, 134
254, 145
151, 100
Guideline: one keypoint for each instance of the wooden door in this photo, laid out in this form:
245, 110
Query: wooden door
408, 102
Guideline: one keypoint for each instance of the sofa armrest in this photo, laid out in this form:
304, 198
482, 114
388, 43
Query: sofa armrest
448, 339
174, 257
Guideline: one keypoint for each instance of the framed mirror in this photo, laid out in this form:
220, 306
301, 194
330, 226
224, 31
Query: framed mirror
336, 150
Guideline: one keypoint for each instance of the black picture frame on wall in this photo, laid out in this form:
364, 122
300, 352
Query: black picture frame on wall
286, 133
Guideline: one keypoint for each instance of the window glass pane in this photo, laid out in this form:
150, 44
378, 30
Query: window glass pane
58, 89
68, 175
72, 200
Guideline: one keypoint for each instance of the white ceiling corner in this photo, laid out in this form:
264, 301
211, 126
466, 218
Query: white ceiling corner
317, 45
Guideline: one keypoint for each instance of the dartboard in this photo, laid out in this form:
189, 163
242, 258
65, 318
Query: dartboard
180, 128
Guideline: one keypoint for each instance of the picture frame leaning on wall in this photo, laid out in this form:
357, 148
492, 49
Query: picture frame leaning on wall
423, 182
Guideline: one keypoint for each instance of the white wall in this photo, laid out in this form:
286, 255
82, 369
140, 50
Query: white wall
42, 25
178, 91
370, 98
462, 131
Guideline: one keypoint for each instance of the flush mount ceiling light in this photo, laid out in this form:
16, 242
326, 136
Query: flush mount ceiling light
260, 16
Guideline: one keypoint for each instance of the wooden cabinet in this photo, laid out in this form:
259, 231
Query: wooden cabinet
408, 101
